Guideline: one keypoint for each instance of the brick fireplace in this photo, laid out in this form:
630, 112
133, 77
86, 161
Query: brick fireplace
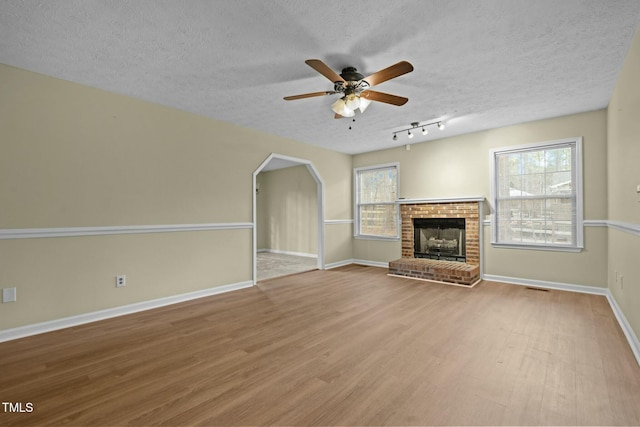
443, 268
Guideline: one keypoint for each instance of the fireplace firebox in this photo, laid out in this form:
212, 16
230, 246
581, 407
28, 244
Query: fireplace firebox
440, 239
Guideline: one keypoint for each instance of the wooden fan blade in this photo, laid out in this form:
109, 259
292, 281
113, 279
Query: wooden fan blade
387, 98
338, 116
308, 95
324, 69
402, 67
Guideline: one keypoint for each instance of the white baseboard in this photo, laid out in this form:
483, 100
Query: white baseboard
625, 326
67, 322
337, 264
277, 251
632, 339
546, 285
356, 261
371, 263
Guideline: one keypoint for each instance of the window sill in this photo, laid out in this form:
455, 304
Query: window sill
538, 247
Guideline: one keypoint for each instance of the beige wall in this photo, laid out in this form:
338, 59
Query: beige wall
74, 156
623, 177
338, 243
287, 211
60, 277
463, 162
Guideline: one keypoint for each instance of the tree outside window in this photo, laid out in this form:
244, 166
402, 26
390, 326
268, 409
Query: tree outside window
376, 192
537, 195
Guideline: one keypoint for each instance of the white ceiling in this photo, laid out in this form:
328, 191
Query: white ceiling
478, 64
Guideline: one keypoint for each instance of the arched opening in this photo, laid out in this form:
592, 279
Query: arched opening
276, 162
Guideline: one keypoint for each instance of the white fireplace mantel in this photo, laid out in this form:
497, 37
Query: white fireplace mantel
441, 200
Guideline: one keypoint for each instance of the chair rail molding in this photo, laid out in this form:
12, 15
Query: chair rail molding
32, 233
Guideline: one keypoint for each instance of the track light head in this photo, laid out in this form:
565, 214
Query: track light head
440, 126
409, 134
395, 137
424, 130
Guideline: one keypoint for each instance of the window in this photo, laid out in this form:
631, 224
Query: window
537, 195
376, 191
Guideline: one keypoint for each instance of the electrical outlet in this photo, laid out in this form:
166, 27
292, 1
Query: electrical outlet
9, 295
121, 281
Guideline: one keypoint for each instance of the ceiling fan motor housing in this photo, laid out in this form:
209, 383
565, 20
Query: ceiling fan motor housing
350, 74
353, 84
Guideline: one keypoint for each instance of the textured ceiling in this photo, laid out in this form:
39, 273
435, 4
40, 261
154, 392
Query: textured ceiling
478, 64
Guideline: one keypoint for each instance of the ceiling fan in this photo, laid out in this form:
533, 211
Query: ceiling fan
356, 88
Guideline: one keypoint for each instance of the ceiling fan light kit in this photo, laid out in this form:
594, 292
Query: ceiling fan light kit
341, 108
355, 88
416, 125
356, 92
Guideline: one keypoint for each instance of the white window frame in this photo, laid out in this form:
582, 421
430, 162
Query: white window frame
579, 219
357, 204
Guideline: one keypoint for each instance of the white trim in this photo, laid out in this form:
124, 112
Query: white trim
338, 221
278, 251
546, 285
380, 166
632, 339
533, 247
442, 200
81, 319
356, 199
31, 233
357, 261
337, 264
625, 326
368, 237
578, 184
616, 225
370, 263
320, 195
595, 223
480, 238
625, 226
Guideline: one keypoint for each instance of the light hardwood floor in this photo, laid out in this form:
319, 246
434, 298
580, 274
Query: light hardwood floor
349, 346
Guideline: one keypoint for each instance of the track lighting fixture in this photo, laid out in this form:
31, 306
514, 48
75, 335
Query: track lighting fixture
415, 125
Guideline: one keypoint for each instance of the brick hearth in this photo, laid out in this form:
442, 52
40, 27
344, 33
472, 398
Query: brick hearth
462, 273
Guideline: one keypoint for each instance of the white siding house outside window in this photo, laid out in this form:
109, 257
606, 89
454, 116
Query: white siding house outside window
537, 196
376, 208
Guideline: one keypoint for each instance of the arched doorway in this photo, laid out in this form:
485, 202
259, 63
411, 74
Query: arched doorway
275, 162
